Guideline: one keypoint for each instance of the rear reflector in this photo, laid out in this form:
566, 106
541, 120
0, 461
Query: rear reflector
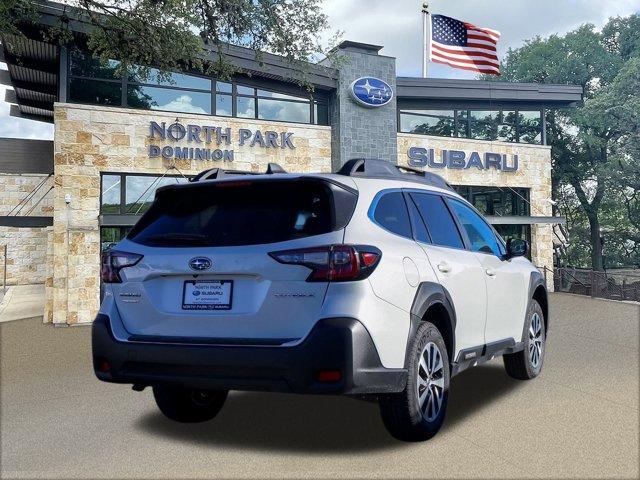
103, 366
329, 376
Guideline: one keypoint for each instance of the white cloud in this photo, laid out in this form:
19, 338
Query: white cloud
397, 25
19, 127
184, 103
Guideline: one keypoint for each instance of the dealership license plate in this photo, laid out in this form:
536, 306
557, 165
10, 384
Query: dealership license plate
207, 295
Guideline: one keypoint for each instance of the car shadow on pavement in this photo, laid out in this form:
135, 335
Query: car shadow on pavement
475, 389
320, 424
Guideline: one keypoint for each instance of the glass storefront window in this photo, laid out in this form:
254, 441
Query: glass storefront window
224, 105
283, 110
321, 113
246, 107
84, 64
429, 122
157, 98
95, 92
224, 87
530, 127
502, 125
483, 125
178, 80
110, 200
506, 121
242, 90
109, 236
140, 191
497, 201
462, 122
268, 94
94, 82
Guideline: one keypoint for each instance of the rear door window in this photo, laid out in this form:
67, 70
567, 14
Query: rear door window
243, 213
440, 223
391, 214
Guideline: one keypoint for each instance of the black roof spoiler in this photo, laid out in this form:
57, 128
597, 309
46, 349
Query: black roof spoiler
375, 168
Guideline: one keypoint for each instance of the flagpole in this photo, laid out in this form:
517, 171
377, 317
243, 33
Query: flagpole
426, 37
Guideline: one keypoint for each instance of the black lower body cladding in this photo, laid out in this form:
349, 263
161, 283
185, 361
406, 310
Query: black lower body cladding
334, 345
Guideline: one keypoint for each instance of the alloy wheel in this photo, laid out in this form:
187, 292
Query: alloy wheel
535, 340
430, 381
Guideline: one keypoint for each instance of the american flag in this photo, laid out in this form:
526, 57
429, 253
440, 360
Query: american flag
463, 45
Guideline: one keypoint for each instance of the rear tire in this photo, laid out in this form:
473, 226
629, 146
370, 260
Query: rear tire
188, 405
527, 364
417, 413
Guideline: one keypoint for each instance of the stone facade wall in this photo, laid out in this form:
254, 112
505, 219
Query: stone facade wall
89, 140
534, 173
26, 247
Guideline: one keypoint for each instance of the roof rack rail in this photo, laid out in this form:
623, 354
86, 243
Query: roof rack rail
376, 168
217, 173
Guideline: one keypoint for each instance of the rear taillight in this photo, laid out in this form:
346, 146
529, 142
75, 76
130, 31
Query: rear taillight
113, 261
334, 263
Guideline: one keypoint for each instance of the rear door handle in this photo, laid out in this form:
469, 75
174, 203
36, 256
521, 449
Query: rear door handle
490, 271
444, 267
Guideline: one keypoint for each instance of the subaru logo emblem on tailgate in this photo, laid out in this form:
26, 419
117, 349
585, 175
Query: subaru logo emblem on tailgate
200, 263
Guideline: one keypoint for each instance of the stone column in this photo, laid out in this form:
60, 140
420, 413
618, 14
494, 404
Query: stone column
358, 131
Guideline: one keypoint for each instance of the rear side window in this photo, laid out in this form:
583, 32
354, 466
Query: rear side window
479, 232
243, 213
438, 219
391, 214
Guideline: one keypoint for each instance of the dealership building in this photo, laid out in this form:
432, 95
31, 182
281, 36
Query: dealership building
117, 138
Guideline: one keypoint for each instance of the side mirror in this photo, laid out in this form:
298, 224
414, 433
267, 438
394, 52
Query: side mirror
517, 247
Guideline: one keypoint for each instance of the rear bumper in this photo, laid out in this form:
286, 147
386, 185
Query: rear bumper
341, 344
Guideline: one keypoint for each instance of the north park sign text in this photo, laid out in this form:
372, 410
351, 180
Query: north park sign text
200, 135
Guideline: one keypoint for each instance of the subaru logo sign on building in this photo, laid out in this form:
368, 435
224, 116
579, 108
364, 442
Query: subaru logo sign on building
371, 92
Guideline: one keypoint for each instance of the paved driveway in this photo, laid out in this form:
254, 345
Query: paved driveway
578, 419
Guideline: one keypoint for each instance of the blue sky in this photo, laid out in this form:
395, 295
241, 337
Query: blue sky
397, 24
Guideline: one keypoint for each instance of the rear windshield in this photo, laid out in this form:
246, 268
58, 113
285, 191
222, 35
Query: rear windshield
244, 213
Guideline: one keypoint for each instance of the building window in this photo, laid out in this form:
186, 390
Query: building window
109, 236
501, 202
504, 125
95, 82
131, 194
496, 201
440, 123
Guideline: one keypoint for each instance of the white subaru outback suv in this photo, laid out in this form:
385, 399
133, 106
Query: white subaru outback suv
376, 282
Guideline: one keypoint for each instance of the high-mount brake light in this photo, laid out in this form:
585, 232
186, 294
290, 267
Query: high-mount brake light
113, 261
333, 263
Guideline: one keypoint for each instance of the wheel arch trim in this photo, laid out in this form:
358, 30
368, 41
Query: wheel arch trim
428, 295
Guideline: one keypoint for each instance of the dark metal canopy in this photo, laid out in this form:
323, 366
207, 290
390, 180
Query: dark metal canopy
21, 155
411, 92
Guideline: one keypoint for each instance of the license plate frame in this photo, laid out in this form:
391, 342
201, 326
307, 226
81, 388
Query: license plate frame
207, 306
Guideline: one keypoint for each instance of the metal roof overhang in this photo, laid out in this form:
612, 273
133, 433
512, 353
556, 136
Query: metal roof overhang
33, 73
451, 93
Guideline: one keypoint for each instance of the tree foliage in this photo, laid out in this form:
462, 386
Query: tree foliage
595, 147
171, 35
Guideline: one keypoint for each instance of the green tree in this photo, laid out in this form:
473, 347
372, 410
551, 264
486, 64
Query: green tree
172, 35
595, 146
